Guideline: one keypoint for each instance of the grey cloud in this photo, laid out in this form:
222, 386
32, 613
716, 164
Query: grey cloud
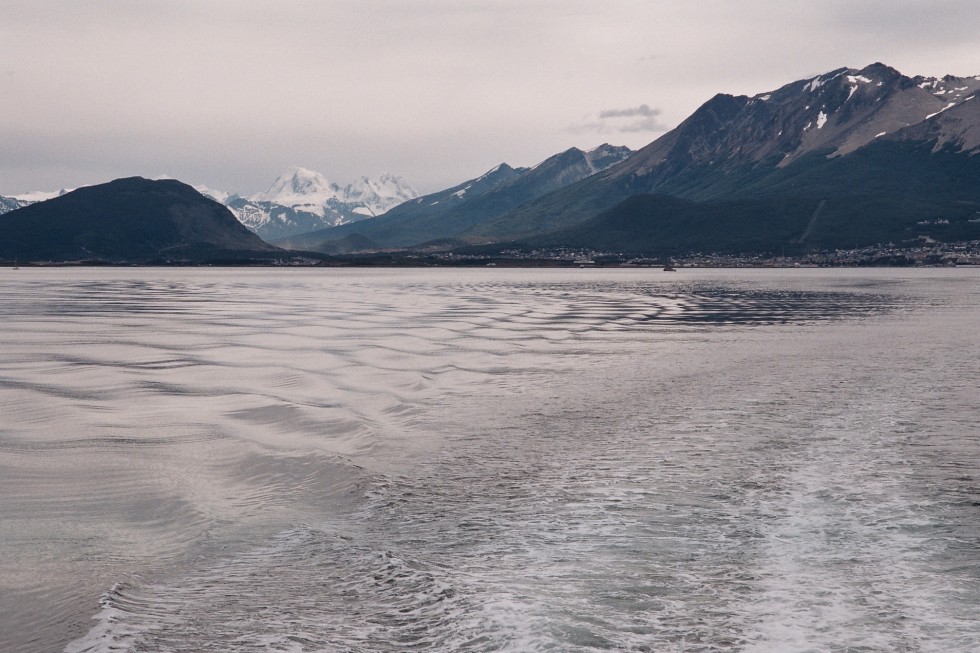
631, 120
642, 110
228, 92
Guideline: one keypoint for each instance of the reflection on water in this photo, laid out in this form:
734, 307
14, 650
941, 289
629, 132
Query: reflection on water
488, 460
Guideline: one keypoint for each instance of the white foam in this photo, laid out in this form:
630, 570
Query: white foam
109, 634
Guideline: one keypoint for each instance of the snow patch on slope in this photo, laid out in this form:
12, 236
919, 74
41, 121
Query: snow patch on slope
948, 106
855, 82
41, 195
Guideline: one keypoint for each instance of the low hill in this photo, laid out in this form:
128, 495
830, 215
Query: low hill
132, 220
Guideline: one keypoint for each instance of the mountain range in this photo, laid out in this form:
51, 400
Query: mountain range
845, 159
303, 200
447, 214
298, 201
850, 158
866, 154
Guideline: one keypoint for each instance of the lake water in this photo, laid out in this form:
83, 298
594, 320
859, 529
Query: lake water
489, 460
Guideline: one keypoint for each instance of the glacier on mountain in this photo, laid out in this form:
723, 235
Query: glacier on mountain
301, 200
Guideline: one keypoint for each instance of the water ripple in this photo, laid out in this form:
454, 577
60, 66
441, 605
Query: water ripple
486, 460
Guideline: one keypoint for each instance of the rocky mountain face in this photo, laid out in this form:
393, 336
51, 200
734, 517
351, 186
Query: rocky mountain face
872, 147
833, 114
447, 214
302, 200
129, 220
8, 204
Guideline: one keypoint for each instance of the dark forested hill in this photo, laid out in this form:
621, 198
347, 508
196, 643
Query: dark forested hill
128, 220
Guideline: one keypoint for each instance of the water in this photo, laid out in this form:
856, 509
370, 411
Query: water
489, 460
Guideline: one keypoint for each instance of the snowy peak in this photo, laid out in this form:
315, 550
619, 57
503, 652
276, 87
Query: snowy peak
834, 113
217, 195
379, 194
307, 189
299, 187
846, 109
302, 200
606, 155
8, 204
21, 200
41, 195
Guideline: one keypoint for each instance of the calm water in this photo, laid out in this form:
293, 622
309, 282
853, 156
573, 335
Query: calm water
489, 460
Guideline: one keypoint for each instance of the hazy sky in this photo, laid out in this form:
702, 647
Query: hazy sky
228, 93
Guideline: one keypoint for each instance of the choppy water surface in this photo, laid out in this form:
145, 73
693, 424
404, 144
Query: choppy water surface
489, 460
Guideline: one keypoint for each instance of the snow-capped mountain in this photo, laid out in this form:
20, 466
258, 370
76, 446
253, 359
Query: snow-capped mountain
217, 195
8, 204
11, 202
835, 113
376, 196
300, 189
302, 200
41, 195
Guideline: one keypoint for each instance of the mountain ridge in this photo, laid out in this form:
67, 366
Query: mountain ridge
448, 213
741, 147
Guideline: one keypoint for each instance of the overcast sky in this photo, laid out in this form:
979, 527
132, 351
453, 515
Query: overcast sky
228, 93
